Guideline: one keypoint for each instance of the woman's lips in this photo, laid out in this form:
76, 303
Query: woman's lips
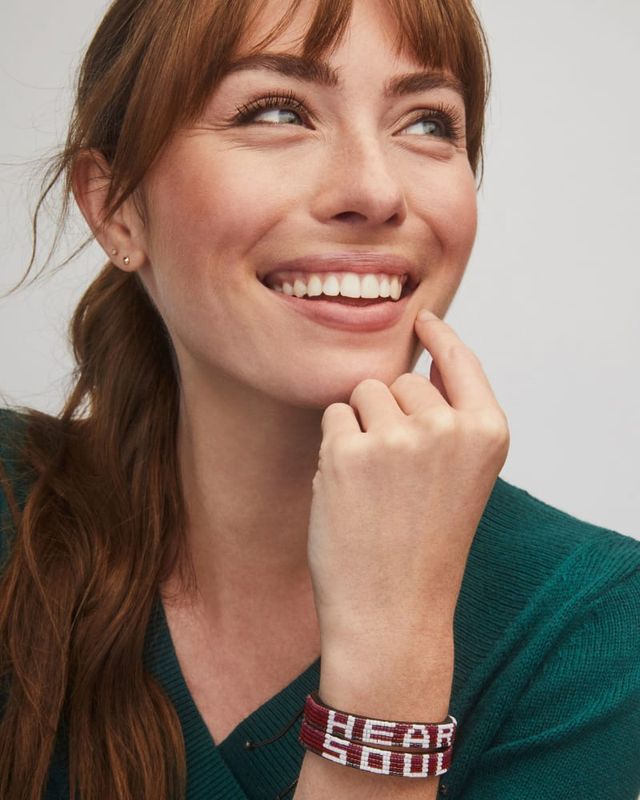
347, 301
333, 314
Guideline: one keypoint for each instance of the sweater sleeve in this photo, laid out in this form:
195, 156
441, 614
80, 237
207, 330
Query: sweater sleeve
574, 732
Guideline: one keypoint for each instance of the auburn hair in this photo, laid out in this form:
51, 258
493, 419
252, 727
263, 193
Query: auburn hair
103, 522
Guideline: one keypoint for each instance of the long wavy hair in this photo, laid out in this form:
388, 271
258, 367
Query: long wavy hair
103, 522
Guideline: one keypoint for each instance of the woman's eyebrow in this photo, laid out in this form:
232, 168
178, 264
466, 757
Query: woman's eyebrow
318, 71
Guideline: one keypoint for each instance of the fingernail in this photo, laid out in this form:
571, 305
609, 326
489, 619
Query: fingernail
425, 314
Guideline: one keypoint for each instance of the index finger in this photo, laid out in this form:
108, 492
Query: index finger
464, 379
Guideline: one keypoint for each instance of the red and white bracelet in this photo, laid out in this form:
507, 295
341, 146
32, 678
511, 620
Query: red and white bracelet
346, 738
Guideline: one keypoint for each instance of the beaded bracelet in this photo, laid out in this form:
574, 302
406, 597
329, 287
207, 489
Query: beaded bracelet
419, 735
372, 759
322, 726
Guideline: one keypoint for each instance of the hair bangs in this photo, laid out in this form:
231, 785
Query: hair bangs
443, 35
324, 32
448, 36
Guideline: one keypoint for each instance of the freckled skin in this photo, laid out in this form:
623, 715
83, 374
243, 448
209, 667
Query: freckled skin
224, 203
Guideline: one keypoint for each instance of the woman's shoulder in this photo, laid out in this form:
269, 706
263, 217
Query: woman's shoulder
536, 540
531, 563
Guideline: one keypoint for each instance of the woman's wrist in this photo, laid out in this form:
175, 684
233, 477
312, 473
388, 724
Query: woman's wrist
387, 682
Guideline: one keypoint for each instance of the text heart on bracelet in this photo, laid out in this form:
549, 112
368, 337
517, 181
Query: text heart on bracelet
418, 735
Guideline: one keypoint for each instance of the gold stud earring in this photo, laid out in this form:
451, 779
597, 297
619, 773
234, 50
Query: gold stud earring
126, 260
114, 252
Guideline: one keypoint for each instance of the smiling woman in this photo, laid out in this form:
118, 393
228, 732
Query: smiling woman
239, 559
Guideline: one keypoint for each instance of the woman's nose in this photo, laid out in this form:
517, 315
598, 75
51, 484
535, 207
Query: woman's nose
359, 183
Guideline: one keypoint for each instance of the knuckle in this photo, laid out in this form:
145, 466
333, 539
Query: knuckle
456, 350
332, 410
333, 407
347, 452
504, 441
439, 421
364, 385
369, 383
492, 427
410, 379
397, 439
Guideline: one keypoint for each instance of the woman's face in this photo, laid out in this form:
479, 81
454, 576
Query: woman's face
350, 171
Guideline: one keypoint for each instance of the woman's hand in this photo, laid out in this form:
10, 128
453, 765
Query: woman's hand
403, 477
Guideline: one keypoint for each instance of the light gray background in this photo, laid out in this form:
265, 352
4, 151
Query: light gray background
550, 298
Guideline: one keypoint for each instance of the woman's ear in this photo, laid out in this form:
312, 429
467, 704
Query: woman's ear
90, 183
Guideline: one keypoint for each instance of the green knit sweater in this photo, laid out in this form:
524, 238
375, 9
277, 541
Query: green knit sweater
546, 687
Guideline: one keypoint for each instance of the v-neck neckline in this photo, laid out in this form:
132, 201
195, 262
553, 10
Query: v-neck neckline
208, 762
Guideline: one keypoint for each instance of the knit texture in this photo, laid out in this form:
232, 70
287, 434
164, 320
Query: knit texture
546, 686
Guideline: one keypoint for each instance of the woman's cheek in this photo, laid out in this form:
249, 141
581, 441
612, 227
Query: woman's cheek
457, 214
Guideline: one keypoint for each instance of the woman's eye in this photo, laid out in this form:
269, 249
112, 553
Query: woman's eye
443, 122
270, 105
272, 115
433, 127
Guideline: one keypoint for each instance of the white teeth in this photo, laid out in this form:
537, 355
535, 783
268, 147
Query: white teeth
346, 284
314, 287
384, 287
299, 288
350, 286
331, 286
